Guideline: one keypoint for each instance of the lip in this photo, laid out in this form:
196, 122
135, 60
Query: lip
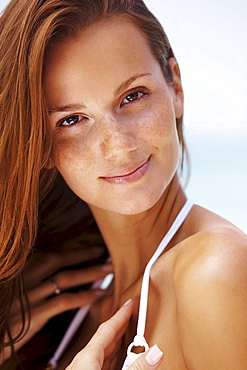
127, 175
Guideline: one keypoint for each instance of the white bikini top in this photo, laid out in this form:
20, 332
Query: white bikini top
139, 340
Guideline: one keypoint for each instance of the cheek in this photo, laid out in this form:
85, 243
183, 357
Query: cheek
71, 157
162, 135
75, 164
158, 127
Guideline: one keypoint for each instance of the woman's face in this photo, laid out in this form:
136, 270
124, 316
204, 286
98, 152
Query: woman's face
113, 117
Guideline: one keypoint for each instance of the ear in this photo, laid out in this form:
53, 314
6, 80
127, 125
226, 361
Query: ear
178, 99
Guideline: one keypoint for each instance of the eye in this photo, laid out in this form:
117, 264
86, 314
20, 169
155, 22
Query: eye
135, 95
71, 120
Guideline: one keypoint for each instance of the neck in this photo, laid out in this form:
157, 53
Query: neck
132, 240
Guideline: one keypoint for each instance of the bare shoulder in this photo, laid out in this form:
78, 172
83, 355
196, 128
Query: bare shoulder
210, 284
218, 250
208, 273
210, 247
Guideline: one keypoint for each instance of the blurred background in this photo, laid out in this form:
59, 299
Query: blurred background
209, 39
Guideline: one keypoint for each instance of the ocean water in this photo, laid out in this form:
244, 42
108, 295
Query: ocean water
218, 179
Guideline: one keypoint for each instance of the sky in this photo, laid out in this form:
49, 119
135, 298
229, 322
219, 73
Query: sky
209, 39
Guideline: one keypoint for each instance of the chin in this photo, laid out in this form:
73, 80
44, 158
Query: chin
136, 206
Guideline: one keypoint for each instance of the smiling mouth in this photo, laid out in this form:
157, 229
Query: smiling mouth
130, 177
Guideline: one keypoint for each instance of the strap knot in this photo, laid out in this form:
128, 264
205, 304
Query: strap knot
139, 341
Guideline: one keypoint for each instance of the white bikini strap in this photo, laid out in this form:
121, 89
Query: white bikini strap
139, 339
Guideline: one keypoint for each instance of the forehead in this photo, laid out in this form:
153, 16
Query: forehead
101, 35
115, 47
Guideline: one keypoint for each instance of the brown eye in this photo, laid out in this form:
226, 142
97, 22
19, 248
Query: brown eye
71, 120
135, 95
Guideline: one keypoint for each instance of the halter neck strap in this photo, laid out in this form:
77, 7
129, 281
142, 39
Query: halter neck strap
139, 339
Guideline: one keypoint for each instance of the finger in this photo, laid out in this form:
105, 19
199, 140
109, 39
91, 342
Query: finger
113, 328
42, 313
75, 257
57, 304
150, 360
93, 355
68, 301
42, 265
69, 279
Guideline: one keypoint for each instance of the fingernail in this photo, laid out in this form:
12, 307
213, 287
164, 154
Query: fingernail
107, 268
153, 355
127, 302
99, 292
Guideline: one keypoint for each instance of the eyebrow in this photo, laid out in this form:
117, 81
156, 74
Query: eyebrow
66, 108
127, 83
71, 107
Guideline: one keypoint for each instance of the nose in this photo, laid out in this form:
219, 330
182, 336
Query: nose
117, 137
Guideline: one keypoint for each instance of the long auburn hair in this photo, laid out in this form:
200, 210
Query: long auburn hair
27, 27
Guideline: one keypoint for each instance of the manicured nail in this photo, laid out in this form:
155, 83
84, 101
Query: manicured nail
127, 302
154, 355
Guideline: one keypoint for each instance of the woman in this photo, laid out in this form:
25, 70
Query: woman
97, 354
102, 102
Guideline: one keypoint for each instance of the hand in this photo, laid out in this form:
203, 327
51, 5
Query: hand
44, 303
99, 352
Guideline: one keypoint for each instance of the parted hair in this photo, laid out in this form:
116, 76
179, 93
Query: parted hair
27, 28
